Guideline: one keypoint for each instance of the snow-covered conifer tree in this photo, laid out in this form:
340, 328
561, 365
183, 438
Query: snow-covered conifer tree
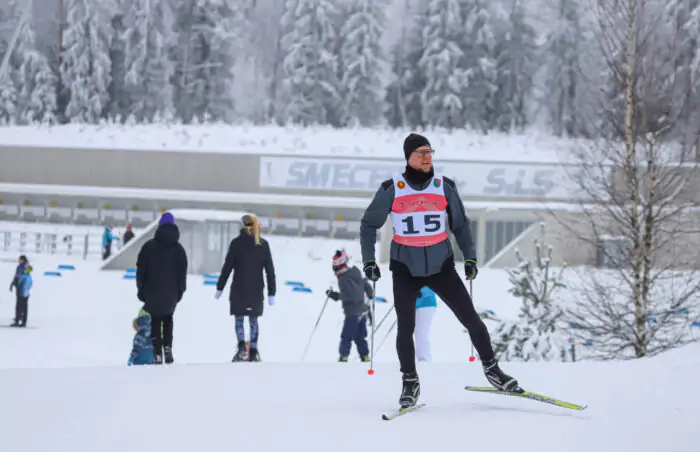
536, 335
517, 60
149, 41
310, 81
85, 63
445, 78
361, 63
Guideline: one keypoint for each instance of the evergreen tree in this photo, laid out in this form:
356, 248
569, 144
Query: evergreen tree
207, 31
536, 335
36, 81
442, 104
480, 65
404, 105
149, 41
563, 90
85, 63
361, 63
516, 66
310, 81
8, 89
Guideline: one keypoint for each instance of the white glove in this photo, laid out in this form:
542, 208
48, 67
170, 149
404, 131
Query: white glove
218, 293
271, 300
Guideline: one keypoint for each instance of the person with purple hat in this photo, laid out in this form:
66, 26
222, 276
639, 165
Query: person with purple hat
161, 281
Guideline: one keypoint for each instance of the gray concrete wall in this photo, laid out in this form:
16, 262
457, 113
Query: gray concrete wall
341, 176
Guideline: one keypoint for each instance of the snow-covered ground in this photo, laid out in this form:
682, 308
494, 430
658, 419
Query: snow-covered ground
320, 141
64, 384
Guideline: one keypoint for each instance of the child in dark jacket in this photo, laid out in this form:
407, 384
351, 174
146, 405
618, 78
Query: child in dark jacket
142, 351
23, 287
353, 288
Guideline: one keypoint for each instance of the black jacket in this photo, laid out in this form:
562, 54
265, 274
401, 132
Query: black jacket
161, 271
247, 262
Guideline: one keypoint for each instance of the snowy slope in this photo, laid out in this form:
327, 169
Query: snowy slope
320, 141
64, 385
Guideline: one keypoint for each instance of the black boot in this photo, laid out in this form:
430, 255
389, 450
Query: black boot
168, 352
499, 379
241, 354
254, 355
410, 391
158, 356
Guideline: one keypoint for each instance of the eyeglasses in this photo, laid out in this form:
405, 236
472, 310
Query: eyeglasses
429, 152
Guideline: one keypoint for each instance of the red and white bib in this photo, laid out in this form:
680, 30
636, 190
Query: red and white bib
419, 217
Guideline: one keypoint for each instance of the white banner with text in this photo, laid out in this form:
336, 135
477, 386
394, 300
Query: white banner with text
507, 180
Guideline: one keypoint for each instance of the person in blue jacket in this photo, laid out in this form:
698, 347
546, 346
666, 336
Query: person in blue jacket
142, 350
426, 304
23, 286
107, 239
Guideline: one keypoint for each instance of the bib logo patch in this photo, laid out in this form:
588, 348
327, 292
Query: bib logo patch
436, 182
401, 185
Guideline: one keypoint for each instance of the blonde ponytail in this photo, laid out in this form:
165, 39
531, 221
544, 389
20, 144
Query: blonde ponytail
252, 225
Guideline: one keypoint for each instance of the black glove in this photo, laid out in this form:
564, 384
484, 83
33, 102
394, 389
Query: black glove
332, 294
372, 271
470, 269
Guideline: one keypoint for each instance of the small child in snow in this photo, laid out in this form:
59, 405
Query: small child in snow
23, 286
353, 288
142, 351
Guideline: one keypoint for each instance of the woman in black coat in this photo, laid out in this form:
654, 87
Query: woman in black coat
248, 254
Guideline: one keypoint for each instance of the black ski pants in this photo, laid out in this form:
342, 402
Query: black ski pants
451, 289
21, 308
161, 332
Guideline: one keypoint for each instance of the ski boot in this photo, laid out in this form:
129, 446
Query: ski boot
410, 391
364, 359
168, 352
343, 359
498, 378
241, 354
254, 355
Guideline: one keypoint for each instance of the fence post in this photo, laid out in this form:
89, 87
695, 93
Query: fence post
85, 249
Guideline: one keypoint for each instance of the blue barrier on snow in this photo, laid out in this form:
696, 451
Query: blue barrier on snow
696, 324
66, 267
129, 276
52, 273
209, 282
294, 283
380, 300
210, 276
130, 270
302, 289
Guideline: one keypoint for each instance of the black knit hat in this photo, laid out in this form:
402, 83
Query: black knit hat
413, 142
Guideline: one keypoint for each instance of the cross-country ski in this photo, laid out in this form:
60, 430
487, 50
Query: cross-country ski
527, 395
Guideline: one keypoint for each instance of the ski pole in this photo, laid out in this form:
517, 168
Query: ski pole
384, 318
387, 334
315, 326
471, 293
371, 355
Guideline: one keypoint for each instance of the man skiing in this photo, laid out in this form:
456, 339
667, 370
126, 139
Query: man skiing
422, 205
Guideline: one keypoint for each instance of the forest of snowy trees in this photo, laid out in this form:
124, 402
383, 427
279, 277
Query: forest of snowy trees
486, 65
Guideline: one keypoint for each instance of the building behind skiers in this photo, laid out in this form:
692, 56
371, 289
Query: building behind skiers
352, 290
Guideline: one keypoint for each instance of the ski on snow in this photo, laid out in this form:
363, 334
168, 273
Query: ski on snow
528, 395
401, 411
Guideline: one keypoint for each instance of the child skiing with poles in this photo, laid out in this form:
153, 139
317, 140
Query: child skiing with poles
352, 289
